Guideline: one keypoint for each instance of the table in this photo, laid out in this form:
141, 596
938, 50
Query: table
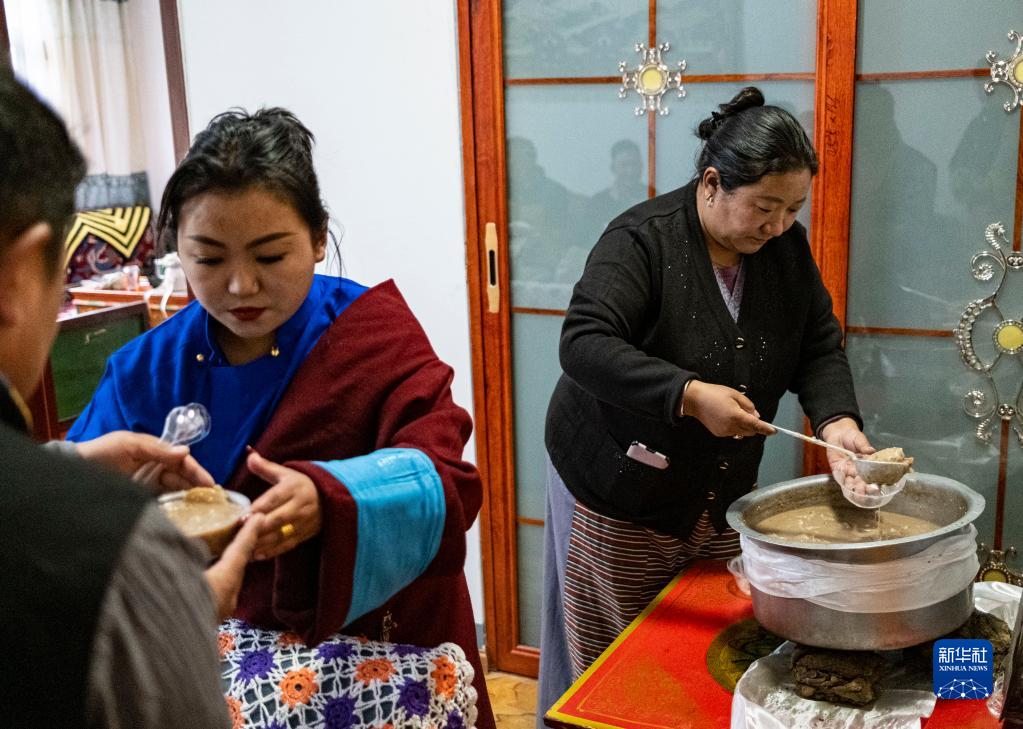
674, 666
88, 299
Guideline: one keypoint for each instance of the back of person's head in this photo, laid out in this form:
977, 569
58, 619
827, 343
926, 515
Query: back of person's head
625, 146
40, 167
745, 140
269, 148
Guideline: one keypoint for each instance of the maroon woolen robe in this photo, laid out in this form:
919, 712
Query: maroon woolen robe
372, 381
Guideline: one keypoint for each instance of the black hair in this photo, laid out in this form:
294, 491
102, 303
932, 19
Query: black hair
269, 148
745, 140
40, 167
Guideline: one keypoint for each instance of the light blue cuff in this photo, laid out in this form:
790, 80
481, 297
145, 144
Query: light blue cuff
400, 503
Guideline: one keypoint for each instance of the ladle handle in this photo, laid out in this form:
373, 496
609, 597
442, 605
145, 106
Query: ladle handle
816, 441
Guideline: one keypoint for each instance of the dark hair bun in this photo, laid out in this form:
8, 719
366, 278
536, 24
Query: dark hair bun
745, 99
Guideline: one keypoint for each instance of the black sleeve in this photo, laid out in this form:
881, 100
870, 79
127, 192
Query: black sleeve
612, 306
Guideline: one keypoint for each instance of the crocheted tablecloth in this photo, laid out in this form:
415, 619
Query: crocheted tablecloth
273, 681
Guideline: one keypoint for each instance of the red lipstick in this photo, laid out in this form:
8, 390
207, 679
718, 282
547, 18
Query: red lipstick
247, 313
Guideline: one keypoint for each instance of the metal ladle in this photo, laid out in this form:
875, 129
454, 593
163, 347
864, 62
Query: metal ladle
880, 473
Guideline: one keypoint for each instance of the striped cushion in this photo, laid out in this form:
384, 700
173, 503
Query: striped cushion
100, 241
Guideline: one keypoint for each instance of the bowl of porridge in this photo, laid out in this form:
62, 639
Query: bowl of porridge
211, 514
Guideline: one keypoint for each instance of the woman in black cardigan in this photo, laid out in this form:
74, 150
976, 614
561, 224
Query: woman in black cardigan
697, 310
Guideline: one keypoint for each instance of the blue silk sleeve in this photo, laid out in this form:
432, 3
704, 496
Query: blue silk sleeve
400, 508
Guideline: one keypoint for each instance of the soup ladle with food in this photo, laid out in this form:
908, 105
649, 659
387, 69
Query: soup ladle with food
883, 473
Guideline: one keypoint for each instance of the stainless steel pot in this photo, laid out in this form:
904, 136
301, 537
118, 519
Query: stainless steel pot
934, 498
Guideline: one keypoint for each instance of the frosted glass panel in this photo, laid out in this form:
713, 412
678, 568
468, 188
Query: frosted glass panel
737, 36
577, 157
910, 391
783, 456
927, 35
530, 556
677, 143
535, 371
571, 37
925, 186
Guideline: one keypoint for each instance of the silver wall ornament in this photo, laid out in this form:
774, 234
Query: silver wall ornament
1008, 72
984, 403
994, 565
652, 79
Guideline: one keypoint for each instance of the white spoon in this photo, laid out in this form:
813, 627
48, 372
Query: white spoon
184, 425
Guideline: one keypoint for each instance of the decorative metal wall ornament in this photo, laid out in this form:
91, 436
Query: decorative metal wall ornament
1008, 72
994, 567
652, 79
984, 404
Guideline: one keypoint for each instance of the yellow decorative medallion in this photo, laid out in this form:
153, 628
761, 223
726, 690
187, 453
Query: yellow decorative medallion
651, 79
993, 575
983, 320
1009, 336
1008, 72
995, 567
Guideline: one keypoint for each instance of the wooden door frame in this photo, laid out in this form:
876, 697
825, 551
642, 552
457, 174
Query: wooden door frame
481, 79
830, 208
173, 56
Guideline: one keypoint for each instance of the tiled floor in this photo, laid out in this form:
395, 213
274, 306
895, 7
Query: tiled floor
514, 700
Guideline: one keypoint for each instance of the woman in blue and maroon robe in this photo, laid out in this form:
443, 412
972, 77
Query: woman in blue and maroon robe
329, 407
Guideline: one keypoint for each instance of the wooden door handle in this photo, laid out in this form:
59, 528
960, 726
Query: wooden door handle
493, 280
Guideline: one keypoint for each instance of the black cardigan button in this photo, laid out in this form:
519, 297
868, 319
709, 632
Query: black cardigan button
723, 465
711, 496
740, 342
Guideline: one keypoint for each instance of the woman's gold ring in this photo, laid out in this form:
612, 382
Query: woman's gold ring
287, 530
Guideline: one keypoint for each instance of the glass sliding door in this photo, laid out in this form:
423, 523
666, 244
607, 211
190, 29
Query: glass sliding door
934, 163
570, 155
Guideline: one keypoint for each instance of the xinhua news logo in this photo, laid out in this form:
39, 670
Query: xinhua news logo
963, 669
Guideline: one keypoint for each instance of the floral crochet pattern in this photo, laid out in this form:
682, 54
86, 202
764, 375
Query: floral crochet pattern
255, 664
288, 638
374, 669
298, 686
225, 643
234, 708
273, 681
445, 677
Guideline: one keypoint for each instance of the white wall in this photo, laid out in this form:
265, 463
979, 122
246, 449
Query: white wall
377, 83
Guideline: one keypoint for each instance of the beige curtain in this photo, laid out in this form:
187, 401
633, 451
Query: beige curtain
77, 55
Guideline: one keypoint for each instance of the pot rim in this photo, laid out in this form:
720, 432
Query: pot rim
974, 507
